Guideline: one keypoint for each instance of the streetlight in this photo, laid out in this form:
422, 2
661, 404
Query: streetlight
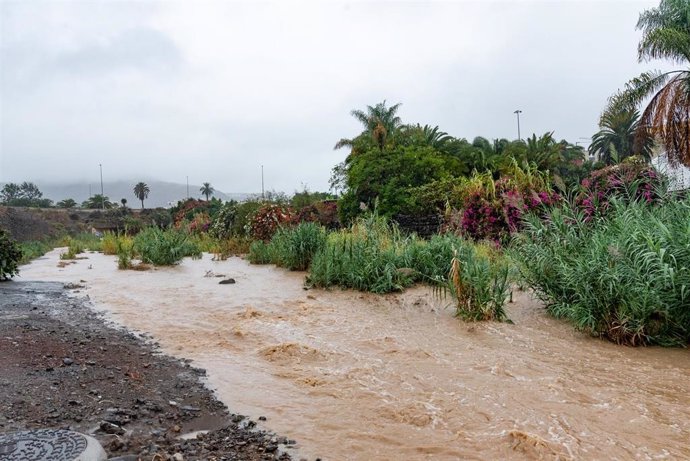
263, 196
187, 187
518, 112
102, 196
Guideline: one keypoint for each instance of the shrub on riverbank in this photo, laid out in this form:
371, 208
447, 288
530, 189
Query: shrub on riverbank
290, 247
372, 255
625, 276
164, 247
10, 254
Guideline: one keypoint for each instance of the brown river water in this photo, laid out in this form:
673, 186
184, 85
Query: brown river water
356, 376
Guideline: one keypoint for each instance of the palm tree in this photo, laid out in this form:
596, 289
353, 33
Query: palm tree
123, 201
66, 203
665, 35
97, 201
616, 139
141, 191
380, 122
207, 190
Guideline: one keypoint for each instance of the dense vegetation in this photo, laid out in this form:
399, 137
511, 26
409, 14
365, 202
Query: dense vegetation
10, 255
601, 240
625, 276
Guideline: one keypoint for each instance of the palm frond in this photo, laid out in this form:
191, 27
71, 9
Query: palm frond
635, 91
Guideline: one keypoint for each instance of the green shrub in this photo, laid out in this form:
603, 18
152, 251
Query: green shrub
124, 248
625, 276
10, 255
74, 247
294, 247
479, 286
109, 243
261, 252
164, 247
364, 257
33, 249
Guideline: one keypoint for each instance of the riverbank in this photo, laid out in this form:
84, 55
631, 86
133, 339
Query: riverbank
63, 366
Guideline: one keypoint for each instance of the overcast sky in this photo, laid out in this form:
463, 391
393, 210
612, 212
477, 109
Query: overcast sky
215, 89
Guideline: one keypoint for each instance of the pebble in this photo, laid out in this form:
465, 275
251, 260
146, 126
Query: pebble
67, 361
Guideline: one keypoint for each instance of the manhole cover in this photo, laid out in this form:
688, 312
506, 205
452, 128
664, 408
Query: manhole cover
49, 445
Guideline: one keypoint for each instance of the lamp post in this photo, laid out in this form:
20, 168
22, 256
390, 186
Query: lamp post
187, 187
263, 196
518, 112
102, 196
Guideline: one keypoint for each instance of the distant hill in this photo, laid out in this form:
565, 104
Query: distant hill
162, 193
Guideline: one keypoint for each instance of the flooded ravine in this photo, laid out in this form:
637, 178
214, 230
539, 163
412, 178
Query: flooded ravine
354, 376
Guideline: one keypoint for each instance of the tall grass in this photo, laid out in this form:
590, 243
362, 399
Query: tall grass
625, 277
164, 247
34, 249
290, 247
374, 256
365, 257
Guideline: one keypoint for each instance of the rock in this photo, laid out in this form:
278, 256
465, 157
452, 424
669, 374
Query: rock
227, 281
67, 361
189, 408
178, 457
110, 428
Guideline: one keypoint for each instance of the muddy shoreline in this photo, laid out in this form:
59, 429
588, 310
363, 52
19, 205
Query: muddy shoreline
63, 366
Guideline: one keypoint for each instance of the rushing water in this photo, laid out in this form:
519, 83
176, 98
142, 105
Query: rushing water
355, 376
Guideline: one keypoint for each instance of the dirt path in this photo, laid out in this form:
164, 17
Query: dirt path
61, 366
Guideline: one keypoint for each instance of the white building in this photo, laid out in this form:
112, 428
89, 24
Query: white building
678, 176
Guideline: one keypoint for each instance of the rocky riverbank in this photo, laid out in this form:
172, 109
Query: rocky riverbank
62, 366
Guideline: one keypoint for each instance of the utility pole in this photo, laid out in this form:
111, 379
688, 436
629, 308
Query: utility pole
102, 196
187, 187
518, 112
263, 195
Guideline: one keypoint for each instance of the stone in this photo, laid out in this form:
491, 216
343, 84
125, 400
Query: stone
227, 281
50, 445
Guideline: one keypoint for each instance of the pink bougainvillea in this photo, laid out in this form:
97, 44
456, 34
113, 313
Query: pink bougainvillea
495, 212
626, 181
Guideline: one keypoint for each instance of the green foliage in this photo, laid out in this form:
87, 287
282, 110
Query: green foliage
624, 276
74, 247
295, 247
364, 257
372, 255
291, 247
109, 243
616, 141
98, 201
164, 247
66, 203
33, 249
478, 284
10, 255
25, 194
390, 175
124, 248
306, 198
260, 252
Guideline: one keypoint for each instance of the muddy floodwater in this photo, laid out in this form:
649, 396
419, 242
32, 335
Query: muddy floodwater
354, 376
